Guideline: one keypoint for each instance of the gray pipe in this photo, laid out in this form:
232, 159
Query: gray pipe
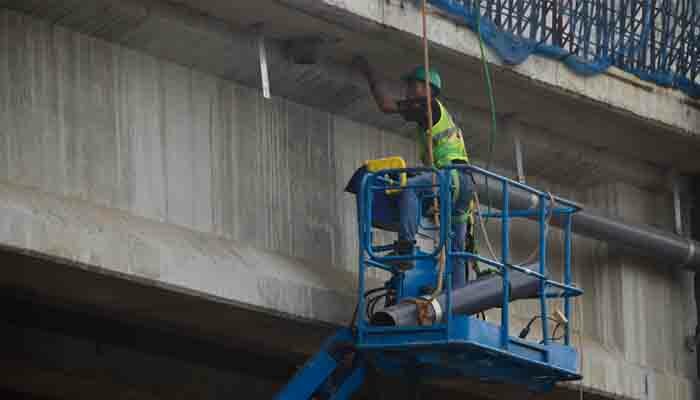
487, 293
478, 295
671, 249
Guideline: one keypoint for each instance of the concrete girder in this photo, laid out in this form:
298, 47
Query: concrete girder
206, 35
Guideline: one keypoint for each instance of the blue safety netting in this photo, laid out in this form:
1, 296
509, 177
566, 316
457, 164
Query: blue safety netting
656, 40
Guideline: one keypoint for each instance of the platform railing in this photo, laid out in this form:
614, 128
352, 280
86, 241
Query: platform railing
547, 206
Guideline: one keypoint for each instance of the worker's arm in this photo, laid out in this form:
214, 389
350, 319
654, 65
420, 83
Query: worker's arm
384, 100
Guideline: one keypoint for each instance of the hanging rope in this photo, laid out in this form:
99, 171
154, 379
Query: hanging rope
429, 141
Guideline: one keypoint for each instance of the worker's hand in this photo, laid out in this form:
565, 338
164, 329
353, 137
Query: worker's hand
360, 63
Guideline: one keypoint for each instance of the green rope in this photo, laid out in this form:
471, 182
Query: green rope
489, 87
492, 102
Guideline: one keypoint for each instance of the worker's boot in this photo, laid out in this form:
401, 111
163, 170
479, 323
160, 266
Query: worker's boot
402, 248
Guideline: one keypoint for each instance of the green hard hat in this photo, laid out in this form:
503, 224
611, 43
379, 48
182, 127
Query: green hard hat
418, 74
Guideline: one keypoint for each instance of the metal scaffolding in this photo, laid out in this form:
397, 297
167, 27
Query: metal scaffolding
657, 40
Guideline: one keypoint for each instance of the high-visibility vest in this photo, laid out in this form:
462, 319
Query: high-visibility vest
448, 143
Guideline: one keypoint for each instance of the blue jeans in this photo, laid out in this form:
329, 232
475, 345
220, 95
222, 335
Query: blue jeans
409, 206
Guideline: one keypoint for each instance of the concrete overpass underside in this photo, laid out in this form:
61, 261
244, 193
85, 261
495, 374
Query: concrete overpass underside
75, 340
167, 232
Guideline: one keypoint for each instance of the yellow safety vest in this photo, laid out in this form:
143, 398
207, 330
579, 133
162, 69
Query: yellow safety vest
448, 143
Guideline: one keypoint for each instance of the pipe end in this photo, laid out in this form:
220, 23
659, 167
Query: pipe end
381, 318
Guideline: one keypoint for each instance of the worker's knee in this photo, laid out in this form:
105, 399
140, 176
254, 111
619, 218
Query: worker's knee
417, 186
460, 232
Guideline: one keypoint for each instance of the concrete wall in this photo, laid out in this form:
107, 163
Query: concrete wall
153, 170
636, 310
219, 37
120, 129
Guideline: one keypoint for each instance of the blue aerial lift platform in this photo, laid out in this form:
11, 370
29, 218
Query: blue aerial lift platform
414, 334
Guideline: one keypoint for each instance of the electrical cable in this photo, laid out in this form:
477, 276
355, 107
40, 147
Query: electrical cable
492, 141
580, 347
580, 339
375, 290
548, 219
492, 133
554, 337
489, 245
357, 305
480, 217
489, 87
526, 330
492, 99
351, 325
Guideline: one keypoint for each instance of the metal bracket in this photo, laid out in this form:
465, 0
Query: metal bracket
264, 74
677, 213
519, 157
262, 56
511, 125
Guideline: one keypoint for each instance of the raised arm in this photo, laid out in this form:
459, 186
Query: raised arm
385, 101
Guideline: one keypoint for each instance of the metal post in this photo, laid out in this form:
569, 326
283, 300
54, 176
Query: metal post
264, 75
448, 300
505, 248
362, 203
543, 256
446, 226
368, 211
518, 153
677, 214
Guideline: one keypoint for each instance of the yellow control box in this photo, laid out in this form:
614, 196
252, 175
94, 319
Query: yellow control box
394, 162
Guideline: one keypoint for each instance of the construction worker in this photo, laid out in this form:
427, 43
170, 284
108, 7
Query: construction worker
448, 149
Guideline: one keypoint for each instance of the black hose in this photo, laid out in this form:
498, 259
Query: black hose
375, 290
526, 330
372, 301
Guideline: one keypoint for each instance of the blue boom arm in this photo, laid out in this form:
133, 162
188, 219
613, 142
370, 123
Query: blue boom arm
335, 372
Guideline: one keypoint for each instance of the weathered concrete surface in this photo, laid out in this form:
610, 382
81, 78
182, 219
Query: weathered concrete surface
616, 89
218, 37
540, 92
175, 256
102, 123
634, 311
138, 166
